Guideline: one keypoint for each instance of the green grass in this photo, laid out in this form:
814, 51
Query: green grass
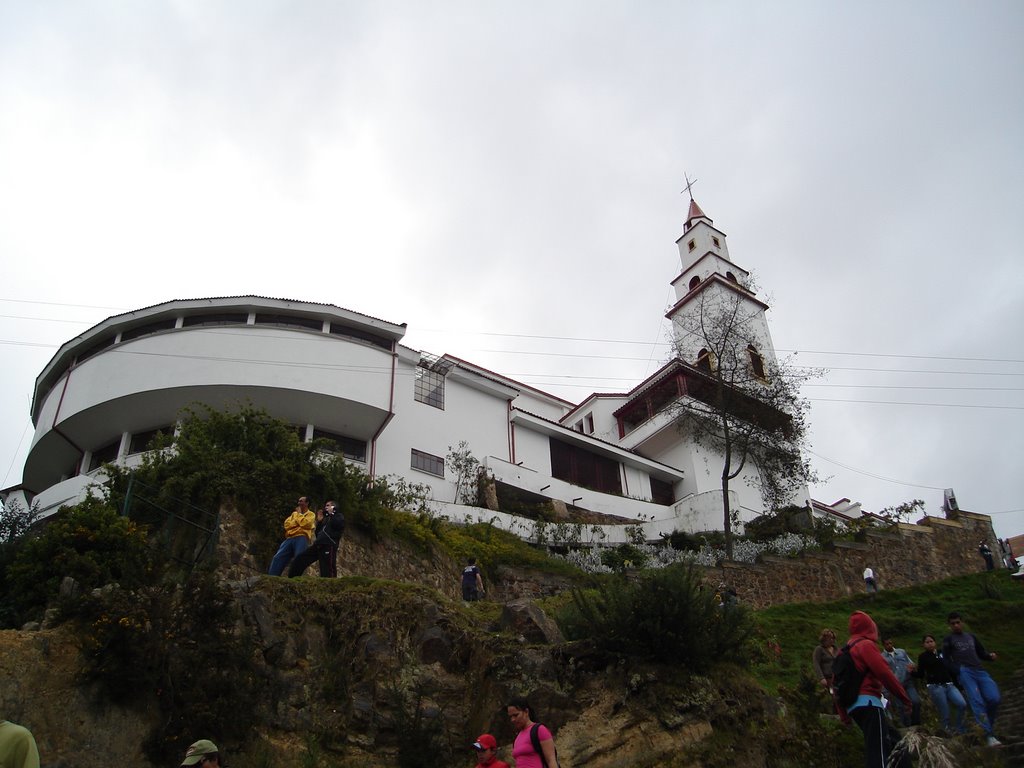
992, 606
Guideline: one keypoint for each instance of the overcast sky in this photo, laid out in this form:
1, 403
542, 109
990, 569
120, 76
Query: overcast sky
505, 178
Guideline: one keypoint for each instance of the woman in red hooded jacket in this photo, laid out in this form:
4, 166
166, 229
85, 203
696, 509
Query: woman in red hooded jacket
867, 711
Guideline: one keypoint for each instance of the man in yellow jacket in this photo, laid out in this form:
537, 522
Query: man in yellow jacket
298, 533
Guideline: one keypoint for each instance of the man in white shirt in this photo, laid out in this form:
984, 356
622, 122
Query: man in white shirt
869, 581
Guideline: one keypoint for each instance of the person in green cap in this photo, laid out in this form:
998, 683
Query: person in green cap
203, 753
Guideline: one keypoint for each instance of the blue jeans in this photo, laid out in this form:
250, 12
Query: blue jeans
290, 548
982, 694
943, 695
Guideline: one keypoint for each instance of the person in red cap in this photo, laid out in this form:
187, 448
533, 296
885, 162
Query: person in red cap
867, 711
487, 752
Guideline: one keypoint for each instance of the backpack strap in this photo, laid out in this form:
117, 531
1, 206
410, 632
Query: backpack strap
849, 650
535, 742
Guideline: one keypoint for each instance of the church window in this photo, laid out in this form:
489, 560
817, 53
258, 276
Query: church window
715, 241
692, 244
731, 276
590, 423
427, 462
694, 281
756, 362
706, 361
578, 426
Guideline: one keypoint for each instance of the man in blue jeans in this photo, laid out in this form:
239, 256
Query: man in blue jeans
964, 654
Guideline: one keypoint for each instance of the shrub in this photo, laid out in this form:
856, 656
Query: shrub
663, 615
91, 543
178, 647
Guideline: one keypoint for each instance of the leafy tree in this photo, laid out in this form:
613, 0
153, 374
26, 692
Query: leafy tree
465, 467
90, 542
256, 462
745, 407
901, 513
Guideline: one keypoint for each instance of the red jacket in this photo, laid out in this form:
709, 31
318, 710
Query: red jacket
868, 659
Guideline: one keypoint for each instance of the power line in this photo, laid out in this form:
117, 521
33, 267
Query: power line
872, 474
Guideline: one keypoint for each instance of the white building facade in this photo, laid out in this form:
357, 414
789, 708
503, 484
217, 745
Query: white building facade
389, 409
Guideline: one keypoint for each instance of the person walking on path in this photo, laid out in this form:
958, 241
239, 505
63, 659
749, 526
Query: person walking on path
869, 581
325, 547
868, 711
486, 747
901, 665
931, 667
298, 534
472, 581
964, 654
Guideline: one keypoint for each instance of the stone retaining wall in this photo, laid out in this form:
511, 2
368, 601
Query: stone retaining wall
932, 549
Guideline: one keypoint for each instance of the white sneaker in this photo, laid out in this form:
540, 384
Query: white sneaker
992, 741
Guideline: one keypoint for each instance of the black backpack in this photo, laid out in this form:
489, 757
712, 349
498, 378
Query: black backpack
535, 741
846, 677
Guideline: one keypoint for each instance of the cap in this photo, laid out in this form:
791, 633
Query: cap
198, 751
485, 741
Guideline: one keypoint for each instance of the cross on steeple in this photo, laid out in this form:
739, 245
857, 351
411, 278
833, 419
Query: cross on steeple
688, 189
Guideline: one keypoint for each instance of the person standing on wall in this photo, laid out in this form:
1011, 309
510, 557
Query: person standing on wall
325, 547
985, 552
298, 533
964, 654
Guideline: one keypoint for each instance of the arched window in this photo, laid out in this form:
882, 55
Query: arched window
706, 361
694, 282
731, 276
756, 362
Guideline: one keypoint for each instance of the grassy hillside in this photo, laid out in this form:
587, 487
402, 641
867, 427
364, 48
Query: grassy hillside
992, 605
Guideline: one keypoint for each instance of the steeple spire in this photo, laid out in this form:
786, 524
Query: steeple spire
695, 212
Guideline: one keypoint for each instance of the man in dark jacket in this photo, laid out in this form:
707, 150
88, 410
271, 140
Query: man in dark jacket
324, 548
867, 711
964, 654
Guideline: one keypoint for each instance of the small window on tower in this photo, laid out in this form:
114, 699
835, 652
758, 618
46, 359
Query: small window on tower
706, 361
715, 241
694, 281
756, 362
590, 423
692, 244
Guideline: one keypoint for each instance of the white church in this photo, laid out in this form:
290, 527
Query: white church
392, 410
